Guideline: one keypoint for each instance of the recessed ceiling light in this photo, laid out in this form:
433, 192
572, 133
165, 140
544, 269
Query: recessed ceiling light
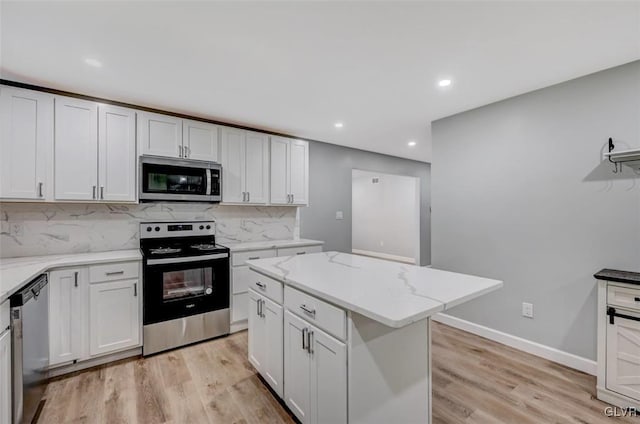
93, 62
338, 125
444, 83
412, 143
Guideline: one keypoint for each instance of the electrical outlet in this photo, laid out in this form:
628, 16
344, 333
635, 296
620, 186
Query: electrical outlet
339, 215
527, 310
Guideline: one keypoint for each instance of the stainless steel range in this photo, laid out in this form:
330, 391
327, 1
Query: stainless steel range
186, 284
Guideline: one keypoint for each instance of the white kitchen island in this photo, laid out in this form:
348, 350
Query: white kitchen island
345, 338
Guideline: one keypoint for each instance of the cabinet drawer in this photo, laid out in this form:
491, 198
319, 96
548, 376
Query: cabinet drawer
115, 271
4, 315
240, 258
239, 307
266, 286
625, 297
290, 251
318, 312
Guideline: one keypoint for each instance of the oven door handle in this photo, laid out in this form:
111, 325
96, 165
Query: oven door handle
187, 259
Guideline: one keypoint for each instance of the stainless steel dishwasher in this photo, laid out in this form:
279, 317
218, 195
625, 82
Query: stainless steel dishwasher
30, 353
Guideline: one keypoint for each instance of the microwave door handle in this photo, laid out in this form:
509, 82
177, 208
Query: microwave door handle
208, 178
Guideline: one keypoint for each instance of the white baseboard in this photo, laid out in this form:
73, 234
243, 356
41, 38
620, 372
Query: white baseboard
387, 256
567, 359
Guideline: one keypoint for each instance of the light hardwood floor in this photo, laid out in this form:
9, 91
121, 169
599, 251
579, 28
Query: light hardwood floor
474, 381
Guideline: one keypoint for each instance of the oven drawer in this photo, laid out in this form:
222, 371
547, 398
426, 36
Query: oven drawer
623, 296
266, 286
290, 251
114, 271
240, 258
318, 312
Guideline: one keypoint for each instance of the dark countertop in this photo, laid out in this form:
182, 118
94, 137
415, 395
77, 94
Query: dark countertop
618, 276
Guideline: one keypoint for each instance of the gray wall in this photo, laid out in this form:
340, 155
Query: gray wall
520, 193
330, 191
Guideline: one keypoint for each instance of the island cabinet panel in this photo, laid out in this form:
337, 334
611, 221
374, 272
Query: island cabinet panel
315, 373
265, 339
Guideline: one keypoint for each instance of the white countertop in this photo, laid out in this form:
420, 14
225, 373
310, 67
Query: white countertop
392, 293
16, 272
270, 244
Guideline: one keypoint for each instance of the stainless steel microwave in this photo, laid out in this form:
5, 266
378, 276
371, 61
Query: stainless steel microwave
167, 179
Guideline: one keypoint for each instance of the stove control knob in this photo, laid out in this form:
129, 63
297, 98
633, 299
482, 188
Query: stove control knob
148, 228
209, 290
202, 227
208, 227
157, 228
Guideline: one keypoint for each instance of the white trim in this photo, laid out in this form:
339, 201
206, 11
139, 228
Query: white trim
565, 358
387, 256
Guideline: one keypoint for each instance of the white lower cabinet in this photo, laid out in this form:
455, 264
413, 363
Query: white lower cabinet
265, 339
5, 377
67, 306
114, 322
92, 313
315, 373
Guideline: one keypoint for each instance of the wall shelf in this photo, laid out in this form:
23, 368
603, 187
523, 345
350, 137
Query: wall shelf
630, 155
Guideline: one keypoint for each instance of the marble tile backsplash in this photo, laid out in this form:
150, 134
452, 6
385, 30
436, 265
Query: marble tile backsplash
31, 229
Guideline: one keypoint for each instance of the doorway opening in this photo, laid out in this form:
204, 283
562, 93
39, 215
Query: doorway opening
385, 214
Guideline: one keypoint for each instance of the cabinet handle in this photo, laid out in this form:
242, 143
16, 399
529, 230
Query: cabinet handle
244, 196
102, 192
254, 257
261, 285
637, 299
135, 289
293, 198
309, 341
114, 273
75, 279
187, 151
40, 190
301, 253
262, 308
180, 150
94, 192
248, 196
311, 312
304, 336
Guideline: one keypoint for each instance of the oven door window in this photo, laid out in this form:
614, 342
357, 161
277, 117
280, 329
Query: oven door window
179, 285
173, 179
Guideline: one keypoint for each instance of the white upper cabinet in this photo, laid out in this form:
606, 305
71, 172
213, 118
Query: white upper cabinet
169, 136
94, 152
76, 149
26, 139
160, 135
289, 171
245, 166
200, 140
117, 153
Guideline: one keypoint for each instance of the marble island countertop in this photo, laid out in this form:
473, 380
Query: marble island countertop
16, 272
270, 244
391, 293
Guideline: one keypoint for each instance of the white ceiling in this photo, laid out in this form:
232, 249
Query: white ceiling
298, 67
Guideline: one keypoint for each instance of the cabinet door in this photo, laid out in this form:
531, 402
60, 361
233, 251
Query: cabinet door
114, 312
66, 314
299, 172
280, 171
76, 149
200, 140
297, 371
328, 378
160, 135
623, 356
5, 377
273, 359
117, 154
257, 333
257, 168
26, 132
232, 159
